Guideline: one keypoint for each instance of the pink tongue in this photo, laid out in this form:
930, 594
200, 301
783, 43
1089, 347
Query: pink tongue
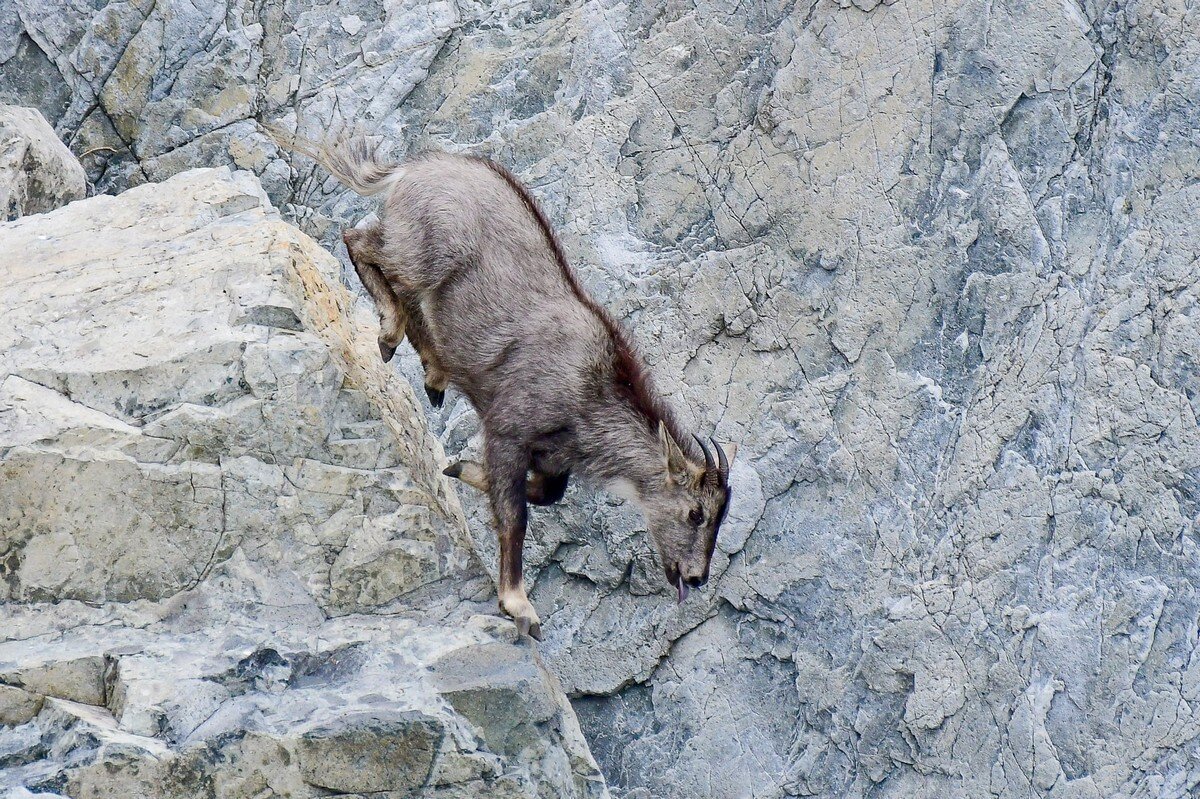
683, 590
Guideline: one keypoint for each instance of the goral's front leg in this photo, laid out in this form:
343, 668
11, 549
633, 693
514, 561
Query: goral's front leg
392, 316
507, 464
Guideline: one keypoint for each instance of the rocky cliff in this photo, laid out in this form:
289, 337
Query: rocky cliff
229, 565
932, 264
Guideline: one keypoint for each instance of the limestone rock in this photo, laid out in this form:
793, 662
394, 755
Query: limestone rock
78, 679
227, 553
17, 705
371, 754
502, 693
155, 353
37, 172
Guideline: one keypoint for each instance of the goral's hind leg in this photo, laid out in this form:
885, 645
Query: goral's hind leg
540, 488
470, 473
419, 335
400, 312
360, 244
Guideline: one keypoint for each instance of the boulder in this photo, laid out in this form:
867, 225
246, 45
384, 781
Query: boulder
228, 559
37, 171
17, 705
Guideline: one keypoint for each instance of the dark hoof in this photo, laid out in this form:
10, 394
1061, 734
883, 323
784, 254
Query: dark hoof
436, 396
453, 470
527, 630
386, 351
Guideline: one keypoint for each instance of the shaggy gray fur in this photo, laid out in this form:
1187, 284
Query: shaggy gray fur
463, 261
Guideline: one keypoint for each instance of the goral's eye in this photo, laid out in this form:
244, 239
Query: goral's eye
696, 516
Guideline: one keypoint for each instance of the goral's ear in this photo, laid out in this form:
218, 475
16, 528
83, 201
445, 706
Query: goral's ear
673, 458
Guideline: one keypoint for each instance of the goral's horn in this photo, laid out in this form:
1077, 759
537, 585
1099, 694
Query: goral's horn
724, 461
708, 456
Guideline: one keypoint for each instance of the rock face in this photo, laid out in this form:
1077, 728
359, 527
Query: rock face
37, 172
229, 565
932, 264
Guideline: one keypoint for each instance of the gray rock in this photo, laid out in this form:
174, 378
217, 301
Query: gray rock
230, 561
500, 691
932, 264
217, 430
79, 679
37, 172
17, 705
371, 754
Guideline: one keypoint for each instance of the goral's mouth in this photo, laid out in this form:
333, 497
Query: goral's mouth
675, 579
684, 585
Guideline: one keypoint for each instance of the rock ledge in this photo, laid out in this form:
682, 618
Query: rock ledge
229, 565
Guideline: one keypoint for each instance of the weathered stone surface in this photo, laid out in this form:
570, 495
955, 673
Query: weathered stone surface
229, 560
932, 264
17, 705
37, 171
154, 352
78, 679
371, 754
502, 693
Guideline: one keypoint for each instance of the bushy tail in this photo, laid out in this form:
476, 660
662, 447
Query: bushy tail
352, 161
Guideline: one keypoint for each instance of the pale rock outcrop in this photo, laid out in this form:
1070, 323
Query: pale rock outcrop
37, 171
932, 263
229, 564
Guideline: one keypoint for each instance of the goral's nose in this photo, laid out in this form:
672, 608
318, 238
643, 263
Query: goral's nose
696, 582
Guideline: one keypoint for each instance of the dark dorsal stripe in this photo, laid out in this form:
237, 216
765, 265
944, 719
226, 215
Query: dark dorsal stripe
630, 376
